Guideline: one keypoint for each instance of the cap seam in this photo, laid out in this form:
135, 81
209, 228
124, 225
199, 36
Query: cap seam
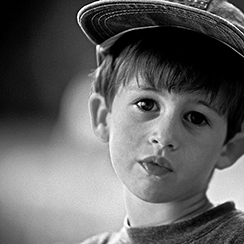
153, 10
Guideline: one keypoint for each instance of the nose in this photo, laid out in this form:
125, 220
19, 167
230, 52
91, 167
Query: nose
165, 134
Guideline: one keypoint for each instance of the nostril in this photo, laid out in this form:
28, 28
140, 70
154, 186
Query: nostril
154, 141
171, 145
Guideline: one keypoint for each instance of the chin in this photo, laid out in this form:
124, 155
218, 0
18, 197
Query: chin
154, 198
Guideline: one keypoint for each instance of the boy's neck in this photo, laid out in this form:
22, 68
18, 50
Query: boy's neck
144, 214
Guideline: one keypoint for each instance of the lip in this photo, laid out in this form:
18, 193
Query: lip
157, 166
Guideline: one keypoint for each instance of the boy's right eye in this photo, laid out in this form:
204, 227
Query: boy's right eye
147, 105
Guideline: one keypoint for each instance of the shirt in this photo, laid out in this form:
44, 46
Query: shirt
223, 224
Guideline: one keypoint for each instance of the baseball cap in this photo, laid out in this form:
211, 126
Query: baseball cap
105, 21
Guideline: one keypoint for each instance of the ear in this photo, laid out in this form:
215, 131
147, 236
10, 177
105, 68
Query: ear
99, 115
232, 151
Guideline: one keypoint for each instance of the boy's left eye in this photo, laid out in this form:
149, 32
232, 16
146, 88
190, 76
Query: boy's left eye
197, 118
147, 105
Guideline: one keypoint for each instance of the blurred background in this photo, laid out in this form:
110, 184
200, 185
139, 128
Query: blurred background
56, 182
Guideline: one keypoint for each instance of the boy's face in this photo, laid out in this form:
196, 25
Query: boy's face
164, 146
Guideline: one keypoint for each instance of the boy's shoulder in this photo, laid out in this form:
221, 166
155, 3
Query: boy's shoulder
222, 225
232, 228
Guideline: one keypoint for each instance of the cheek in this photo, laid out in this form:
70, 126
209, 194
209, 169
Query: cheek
124, 134
125, 140
205, 153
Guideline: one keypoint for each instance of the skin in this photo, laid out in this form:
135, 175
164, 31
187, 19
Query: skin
183, 130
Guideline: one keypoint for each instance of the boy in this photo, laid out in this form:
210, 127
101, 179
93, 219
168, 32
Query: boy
168, 99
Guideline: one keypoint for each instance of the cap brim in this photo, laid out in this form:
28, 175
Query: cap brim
105, 19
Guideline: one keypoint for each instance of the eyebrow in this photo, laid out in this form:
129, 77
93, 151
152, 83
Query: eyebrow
213, 108
144, 88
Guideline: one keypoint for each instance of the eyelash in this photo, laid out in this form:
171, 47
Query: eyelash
149, 105
203, 120
143, 102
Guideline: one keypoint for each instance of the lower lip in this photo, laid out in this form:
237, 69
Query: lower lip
155, 169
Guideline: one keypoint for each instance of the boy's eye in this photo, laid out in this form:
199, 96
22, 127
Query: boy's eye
197, 118
147, 105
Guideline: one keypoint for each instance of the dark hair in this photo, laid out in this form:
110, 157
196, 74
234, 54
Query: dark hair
178, 60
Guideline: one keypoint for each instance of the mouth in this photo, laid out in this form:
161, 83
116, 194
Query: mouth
157, 166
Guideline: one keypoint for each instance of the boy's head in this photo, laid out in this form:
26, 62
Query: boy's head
145, 47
